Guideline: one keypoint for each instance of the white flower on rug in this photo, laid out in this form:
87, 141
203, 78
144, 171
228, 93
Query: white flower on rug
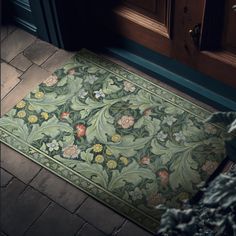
169, 120
129, 87
136, 194
99, 94
82, 93
71, 152
179, 136
53, 145
126, 121
51, 80
161, 136
91, 79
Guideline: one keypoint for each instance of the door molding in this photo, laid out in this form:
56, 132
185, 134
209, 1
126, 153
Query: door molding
145, 30
163, 29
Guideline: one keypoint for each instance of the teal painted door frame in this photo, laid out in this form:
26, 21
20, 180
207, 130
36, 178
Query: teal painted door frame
40, 18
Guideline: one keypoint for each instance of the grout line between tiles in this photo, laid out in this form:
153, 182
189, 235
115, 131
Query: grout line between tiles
34, 221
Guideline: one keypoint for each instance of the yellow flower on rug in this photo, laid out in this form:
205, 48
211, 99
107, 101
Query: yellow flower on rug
116, 138
31, 108
39, 95
21, 114
32, 119
99, 159
97, 148
111, 164
124, 160
108, 152
44, 115
20, 104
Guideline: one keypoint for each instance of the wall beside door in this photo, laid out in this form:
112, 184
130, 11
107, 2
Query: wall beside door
19, 12
67, 24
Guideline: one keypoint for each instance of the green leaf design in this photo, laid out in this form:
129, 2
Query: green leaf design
68, 140
192, 132
109, 87
152, 125
71, 65
101, 125
16, 126
11, 113
133, 173
173, 110
95, 69
51, 101
52, 128
87, 155
74, 84
144, 100
94, 172
85, 108
63, 81
184, 172
168, 151
48, 103
128, 146
44, 148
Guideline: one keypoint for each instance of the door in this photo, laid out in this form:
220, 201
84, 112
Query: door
201, 33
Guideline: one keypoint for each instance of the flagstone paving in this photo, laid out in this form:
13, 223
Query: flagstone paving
9, 78
35, 201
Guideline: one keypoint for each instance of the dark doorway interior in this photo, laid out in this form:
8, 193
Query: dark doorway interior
67, 24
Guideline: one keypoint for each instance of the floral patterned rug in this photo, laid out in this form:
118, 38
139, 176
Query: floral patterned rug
122, 139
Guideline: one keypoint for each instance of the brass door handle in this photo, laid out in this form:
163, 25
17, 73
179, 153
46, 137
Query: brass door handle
195, 34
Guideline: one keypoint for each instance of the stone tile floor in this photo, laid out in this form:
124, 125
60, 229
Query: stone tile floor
33, 200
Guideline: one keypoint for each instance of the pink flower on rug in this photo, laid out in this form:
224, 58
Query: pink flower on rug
51, 80
164, 176
147, 112
71, 151
126, 121
209, 167
80, 130
145, 160
210, 129
129, 87
65, 115
155, 200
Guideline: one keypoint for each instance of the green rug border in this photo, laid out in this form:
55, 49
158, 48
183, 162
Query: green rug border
79, 181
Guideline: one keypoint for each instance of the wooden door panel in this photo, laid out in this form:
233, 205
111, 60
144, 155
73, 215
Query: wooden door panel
149, 5
155, 9
218, 41
210, 57
229, 32
153, 32
165, 29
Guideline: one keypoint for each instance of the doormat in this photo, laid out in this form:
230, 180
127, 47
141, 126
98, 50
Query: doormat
122, 139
